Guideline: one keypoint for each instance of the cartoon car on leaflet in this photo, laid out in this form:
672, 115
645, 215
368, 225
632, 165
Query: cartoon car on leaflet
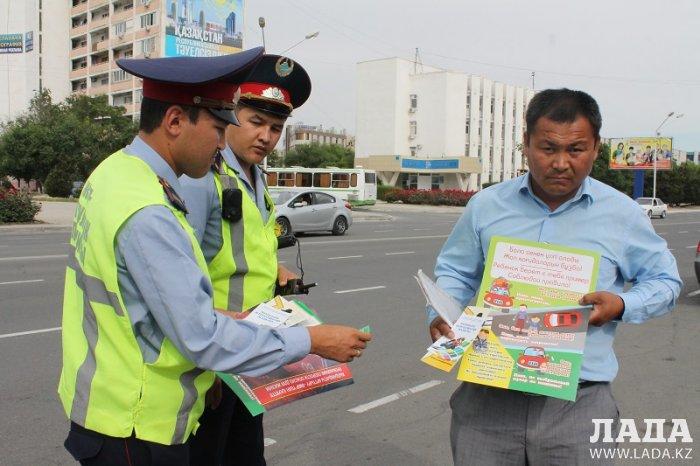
499, 294
532, 357
562, 319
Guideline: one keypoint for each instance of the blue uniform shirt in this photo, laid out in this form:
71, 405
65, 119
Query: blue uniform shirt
597, 218
167, 295
205, 208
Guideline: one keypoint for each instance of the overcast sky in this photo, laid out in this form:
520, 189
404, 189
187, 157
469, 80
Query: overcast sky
640, 59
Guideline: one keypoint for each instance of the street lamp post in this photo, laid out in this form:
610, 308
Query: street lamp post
306, 37
658, 134
261, 23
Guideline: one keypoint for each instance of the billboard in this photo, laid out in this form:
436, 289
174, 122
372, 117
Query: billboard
29, 41
639, 153
203, 28
11, 43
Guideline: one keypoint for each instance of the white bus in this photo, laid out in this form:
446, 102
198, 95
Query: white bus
356, 185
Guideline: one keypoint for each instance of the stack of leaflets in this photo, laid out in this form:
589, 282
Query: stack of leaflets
529, 333
306, 377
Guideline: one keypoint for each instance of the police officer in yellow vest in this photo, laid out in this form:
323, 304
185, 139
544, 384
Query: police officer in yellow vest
140, 331
241, 249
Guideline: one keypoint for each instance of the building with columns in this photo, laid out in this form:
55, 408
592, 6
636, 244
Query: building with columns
428, 128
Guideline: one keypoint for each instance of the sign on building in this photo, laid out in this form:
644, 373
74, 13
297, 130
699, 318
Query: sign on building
639, 153
29, 41
203, 28
11, 43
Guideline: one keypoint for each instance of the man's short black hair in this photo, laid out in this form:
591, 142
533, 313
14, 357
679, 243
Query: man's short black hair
563, 106
153, 111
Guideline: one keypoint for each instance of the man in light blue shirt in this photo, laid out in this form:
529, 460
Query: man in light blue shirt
556, 202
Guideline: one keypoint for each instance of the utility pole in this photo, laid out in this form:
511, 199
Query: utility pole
533, 80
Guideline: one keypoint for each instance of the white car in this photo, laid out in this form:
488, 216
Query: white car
653, 206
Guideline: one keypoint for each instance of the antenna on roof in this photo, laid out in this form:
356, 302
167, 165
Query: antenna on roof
417, 62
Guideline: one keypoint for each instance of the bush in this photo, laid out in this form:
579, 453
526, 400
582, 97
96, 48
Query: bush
452, 197
382, 190
16, 207
59, 183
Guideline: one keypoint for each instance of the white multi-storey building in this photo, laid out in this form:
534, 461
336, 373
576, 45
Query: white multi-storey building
424, 127
33, 52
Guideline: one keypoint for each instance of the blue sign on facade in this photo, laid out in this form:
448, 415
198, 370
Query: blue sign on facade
434, 164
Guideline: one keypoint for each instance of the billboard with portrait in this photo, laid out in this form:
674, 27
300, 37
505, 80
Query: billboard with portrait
639, 153
203, 28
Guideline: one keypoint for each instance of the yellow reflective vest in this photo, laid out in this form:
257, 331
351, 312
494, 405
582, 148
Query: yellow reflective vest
105, 384
244, 271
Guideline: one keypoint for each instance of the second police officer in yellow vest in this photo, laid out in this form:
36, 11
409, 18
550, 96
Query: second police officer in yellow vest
233, 214
140, 331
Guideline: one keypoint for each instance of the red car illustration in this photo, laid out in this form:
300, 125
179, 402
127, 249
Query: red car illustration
532, 357
499, 295
562, 319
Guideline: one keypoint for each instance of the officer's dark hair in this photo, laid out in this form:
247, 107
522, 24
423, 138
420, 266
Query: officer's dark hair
563, 106
153, 111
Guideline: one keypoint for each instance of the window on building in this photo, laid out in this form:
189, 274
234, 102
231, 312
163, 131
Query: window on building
148, 45
412, 129
148, 20
466, 128
412, 150
120, 28
118, 76
414, 101
409, 181
469, 101
340, 180
285, 179
493, 105
322, 180
437, 181
138, 95
466, 150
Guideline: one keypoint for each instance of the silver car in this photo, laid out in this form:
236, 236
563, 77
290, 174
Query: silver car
653, 206
301, 211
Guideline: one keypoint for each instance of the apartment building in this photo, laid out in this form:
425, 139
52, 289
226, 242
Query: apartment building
424, 127
296, 134
32, 57
103, 31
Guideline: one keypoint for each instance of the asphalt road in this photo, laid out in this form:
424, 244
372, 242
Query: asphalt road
364, 278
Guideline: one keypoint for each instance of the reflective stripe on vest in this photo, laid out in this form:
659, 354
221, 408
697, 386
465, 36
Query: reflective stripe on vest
244, 271
105, 384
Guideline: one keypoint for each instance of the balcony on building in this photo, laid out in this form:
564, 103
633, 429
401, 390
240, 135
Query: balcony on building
144, 6
99, 62
79, 85
78, 68
99, 39
125, 100
123, 51
99, 83
98, 3
99, 16
121, 80
122, 9
78, 46
78, 7
79, 25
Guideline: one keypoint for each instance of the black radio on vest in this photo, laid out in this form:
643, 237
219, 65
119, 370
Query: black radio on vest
231, 204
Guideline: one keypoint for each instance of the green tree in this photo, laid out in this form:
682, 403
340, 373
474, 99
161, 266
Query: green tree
318, 156
275, 159
76, 134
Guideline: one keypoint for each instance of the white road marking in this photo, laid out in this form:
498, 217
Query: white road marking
29, 258
269, 441
30, 332
671, 249
382, 231
281, 262
690, 247
21, 281
694, 293
422, 229
342, 257
394, 396
399, 253
684, 231
372, 240
360, 289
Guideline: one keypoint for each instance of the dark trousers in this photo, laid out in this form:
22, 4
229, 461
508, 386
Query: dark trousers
228, 435
92, 448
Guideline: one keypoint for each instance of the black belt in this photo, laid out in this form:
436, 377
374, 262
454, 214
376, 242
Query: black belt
588, 383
